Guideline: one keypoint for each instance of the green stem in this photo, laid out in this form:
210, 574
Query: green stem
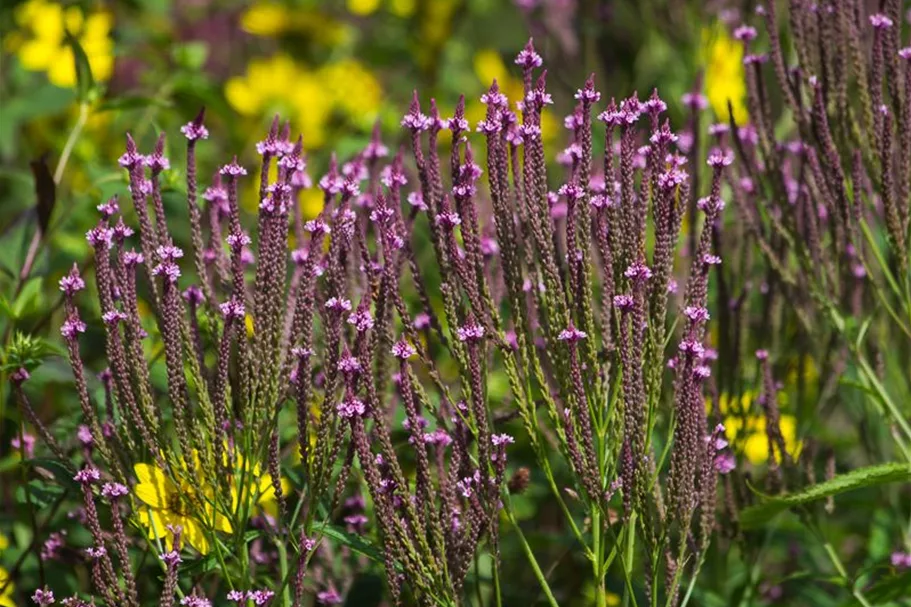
535, 568
71, 142
839, 566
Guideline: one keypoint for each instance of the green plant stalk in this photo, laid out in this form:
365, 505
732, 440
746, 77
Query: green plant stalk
535, 568
839, 566
596, 557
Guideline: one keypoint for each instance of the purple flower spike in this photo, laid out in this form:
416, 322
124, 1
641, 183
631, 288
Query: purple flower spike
351, 408
403, 350
233, 169
157, 160
43, 597
337, 304
171, 558
880, 21
696, 313
362, 321
195, 601
572, 334
414, 119
638, 272
724, 463
470, 332
194, 130
87, 476
905, 53
745, 33
237, 596
654, 105
238, 241
232, 309
72, 282
109, 209
588, 94
168, 270
193, 295
72, 327
132, 259
113, 317
720, 158
623, 302
114, 490
695, 101
100, 236
528, 58
131, 158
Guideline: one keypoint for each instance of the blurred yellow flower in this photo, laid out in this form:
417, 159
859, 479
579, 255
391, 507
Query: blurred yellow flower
362, 8
307, 97
724, 75
47, 50
270, 18
402, 8
746, 430
6, 597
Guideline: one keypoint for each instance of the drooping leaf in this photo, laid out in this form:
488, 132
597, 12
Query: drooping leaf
45, 192
756, 515
85, 82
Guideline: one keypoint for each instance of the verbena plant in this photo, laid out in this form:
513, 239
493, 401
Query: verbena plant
312, 380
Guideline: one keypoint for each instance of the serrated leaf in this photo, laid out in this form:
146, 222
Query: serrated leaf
757, 515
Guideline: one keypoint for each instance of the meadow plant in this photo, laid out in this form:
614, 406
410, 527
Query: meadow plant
309, 404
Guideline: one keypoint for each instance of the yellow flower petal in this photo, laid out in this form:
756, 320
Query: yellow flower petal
37, 55
194, 534
72, 19
62, 71
154, 487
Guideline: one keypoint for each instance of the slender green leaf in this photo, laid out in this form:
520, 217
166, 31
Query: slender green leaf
85, 82
353, 541
755, 516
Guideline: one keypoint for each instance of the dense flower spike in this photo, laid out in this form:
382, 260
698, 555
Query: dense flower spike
344, 334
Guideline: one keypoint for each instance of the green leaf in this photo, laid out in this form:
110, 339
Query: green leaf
353, 541
757, 515
191, 55
30, 292
85, 82
889, 589
62, 473
42, 494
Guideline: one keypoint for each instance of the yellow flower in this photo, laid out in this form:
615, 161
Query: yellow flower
6, 597
402, 8
47, 49
172, 504
271, 19
362, 8
746, 431
724, 75
309, 98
